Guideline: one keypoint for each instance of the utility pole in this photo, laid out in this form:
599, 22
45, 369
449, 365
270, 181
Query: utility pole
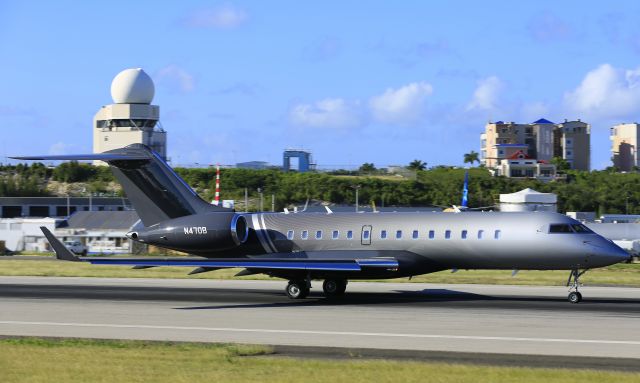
261, 199
246, 200
273, 203
357, 188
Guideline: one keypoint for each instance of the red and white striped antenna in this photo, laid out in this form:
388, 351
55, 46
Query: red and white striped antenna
216, 199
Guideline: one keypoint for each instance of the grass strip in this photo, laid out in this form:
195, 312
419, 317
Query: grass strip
79, 360
617, 275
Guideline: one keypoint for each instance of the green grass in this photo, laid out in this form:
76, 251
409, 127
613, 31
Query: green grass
62, 361
616, 275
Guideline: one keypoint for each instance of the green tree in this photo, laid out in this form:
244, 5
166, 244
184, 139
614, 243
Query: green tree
367, 168
560, 163
417, 165
471, 158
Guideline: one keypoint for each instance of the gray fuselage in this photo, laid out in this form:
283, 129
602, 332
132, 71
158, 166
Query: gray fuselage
481, 240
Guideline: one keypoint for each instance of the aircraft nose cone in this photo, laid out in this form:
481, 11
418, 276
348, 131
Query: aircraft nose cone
613, 253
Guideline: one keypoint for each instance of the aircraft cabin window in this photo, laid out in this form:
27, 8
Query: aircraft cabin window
304, 234
290, 234
399, 234
319, 234
582, 229
349, 234
383, 234
497, 234
335, 234
480, 234
414, 235
559, 228
447, 234
365, 234
464, 234
432, 234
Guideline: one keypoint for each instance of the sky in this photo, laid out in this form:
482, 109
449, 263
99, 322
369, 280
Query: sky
385, 82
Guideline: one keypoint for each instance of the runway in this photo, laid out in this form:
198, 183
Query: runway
400, 316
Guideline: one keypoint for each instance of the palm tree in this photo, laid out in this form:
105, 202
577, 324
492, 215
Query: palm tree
471, 158
417, 165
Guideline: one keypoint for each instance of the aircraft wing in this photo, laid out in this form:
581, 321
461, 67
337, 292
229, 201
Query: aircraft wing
325, 261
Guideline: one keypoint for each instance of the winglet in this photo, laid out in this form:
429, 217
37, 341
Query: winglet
62, 253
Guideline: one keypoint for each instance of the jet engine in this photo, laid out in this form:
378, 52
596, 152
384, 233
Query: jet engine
198, 233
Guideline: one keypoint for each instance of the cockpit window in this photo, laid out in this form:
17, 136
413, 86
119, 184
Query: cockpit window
560, 228
582, 229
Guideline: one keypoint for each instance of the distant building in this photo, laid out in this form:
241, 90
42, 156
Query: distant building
625, 140
24, 234
257, 165
572, 141
303, 157
103, 232
58, 207
528, 200
519, 164
543, 139
131, 118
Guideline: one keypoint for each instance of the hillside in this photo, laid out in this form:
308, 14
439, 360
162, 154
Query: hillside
600, 191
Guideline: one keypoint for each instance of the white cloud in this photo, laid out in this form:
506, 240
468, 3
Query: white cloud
334, 113
404, 105
223, 17
487, 94
606, 92
176, 78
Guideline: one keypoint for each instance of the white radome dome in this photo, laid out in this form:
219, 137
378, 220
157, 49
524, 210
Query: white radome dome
132, 86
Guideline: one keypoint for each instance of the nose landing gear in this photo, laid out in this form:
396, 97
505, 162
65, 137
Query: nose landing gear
574, 283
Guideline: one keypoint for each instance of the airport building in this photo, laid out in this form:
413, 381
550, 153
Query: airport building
302, 157
625, 140
58, 207
131, 119
22, 217
528, 200
544, 140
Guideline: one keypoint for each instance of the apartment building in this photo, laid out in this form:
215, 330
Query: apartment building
543, 139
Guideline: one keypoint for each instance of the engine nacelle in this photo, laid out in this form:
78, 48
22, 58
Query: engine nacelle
196, 233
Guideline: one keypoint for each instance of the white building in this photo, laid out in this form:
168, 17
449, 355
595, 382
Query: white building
103, 232
24, 234
131, 119
528, 200
520, 165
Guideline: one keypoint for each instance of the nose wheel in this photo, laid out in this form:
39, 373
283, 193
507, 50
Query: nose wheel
574, 283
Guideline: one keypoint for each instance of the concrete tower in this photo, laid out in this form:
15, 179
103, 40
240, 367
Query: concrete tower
131, 118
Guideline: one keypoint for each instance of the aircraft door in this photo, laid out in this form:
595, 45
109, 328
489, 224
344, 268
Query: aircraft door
365, 237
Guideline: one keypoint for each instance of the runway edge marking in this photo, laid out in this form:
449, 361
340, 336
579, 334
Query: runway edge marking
310, 332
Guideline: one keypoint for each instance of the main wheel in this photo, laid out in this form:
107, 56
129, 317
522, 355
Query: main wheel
297, 289
334, 287
575, 297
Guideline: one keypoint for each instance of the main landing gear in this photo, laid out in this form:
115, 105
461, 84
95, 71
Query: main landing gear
574, 283
299, 288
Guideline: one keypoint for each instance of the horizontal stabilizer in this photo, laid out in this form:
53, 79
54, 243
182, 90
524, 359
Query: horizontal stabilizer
59, 248
81, 157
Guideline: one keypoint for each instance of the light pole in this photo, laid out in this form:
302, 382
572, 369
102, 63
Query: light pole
356, 188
